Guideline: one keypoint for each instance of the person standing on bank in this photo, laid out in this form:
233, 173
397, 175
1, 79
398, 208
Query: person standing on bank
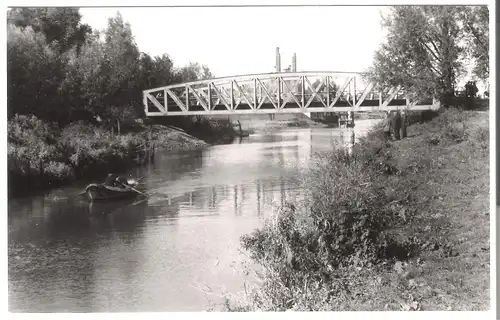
404, 124
387, 126
396, 125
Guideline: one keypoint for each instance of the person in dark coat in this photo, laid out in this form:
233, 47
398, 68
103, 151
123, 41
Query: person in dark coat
387, 126
404, 124
110, 179
396, 125
114, 180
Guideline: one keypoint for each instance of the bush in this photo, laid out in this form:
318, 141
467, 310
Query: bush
213, 130
451, 125
31, 145
90, 149
341, 226
28, 130
58, 171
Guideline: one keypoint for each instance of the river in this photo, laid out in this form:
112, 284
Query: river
176, 251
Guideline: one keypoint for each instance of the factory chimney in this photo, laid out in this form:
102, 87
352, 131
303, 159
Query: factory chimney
294, 63
278, 60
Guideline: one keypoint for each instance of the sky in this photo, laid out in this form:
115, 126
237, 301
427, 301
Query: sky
238, 40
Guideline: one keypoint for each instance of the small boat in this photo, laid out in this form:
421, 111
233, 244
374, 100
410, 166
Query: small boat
102, 191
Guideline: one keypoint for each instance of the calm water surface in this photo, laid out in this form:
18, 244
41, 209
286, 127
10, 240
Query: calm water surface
175, 251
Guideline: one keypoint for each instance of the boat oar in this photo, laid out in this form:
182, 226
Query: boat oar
134, 189
80, 194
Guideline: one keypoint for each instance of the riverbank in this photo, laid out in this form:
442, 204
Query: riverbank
40, 155
400, 225
264, 123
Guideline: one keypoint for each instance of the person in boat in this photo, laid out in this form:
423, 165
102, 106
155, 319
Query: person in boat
114, 180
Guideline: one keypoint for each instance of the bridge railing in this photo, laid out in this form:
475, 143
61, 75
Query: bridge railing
275, 92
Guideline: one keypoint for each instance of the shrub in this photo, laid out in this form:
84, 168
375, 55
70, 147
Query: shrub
213, 130
31, 145
91, 149
341, 226
28, 130
348, 209
451, 125
58, 171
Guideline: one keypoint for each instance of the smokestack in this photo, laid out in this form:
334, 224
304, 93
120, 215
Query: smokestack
278, 60
294, 63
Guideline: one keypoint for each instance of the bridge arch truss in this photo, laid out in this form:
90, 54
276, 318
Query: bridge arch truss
289, 92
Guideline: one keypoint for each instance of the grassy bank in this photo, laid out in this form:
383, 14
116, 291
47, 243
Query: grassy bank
42, 155
399, 225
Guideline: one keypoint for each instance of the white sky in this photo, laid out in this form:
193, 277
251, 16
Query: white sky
239, 40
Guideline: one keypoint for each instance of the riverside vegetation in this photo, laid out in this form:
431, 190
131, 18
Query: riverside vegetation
40, 154
74, 94
396, 225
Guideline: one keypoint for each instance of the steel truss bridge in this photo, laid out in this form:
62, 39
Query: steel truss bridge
289, 92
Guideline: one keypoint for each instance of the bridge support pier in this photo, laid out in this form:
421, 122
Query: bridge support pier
350, 119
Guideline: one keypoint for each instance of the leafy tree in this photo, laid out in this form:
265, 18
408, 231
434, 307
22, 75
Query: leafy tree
476, 25
156, 72
193, 72
422, 52
34, 71
85, 80
61, 26
59, 70
122, 63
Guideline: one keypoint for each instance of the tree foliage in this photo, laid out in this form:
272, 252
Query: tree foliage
34, 71
61, 26
425, 50
476, 26
193, 72
59, 70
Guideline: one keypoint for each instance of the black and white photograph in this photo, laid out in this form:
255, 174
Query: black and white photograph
250, 158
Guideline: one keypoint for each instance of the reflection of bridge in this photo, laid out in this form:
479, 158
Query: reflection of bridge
289, 92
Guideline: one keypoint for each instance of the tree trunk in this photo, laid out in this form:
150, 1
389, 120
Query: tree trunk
40, 164
118, 126
447, 78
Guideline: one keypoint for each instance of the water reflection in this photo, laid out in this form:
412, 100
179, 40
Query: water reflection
154, 255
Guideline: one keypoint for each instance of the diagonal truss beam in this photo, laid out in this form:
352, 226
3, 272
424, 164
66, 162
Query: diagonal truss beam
391, 96
156, 103
341, 90
243, 93
267, 94
198, 98
292, 94
177, 101
314, 92
230, 96
219, 95
366, 92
